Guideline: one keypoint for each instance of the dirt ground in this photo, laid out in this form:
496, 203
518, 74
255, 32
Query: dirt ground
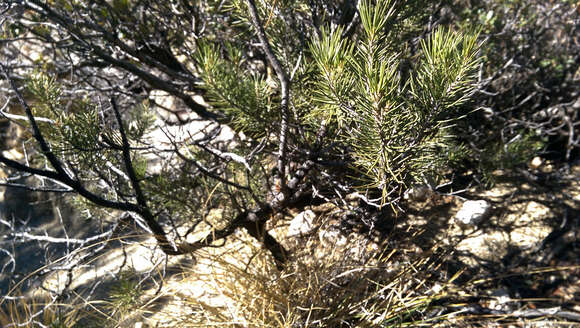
521, 263
518, 267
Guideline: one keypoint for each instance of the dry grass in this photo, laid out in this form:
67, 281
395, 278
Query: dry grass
240, 287
332, 291
326, 284
24, 312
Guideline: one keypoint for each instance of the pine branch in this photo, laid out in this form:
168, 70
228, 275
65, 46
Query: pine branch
44, 146
285, 90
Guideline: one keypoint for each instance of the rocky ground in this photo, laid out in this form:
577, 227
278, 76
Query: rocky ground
517, 262
522, 260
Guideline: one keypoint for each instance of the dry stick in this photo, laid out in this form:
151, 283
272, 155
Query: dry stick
34, 189
252, 221
199, 166
59, 174
246, 219
157, 83
144, 211
285, 90
154, 81
62, 176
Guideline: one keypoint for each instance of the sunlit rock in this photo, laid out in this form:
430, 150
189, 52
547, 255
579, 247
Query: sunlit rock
473, 212
302, 224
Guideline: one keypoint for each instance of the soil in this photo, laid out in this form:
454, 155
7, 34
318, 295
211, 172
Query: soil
522, 258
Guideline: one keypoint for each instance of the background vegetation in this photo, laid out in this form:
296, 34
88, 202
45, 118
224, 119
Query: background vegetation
155, 115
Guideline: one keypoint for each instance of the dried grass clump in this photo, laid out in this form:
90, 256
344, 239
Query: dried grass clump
24, 312
331, 291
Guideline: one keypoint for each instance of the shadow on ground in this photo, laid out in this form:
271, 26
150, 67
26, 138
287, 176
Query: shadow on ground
523, 258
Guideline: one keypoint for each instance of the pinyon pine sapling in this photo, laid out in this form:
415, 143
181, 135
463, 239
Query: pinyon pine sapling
400, 131
319, 109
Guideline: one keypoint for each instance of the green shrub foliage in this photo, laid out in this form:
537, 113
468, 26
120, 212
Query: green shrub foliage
273, 104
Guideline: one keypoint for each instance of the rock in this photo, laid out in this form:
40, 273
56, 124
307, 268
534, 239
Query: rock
215, 217
302, 224
547, 168
332, 237
472, 212
535, 163
172, 109
10, 135
500, 298
13, 154
166, 137
418, 193
523, 228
